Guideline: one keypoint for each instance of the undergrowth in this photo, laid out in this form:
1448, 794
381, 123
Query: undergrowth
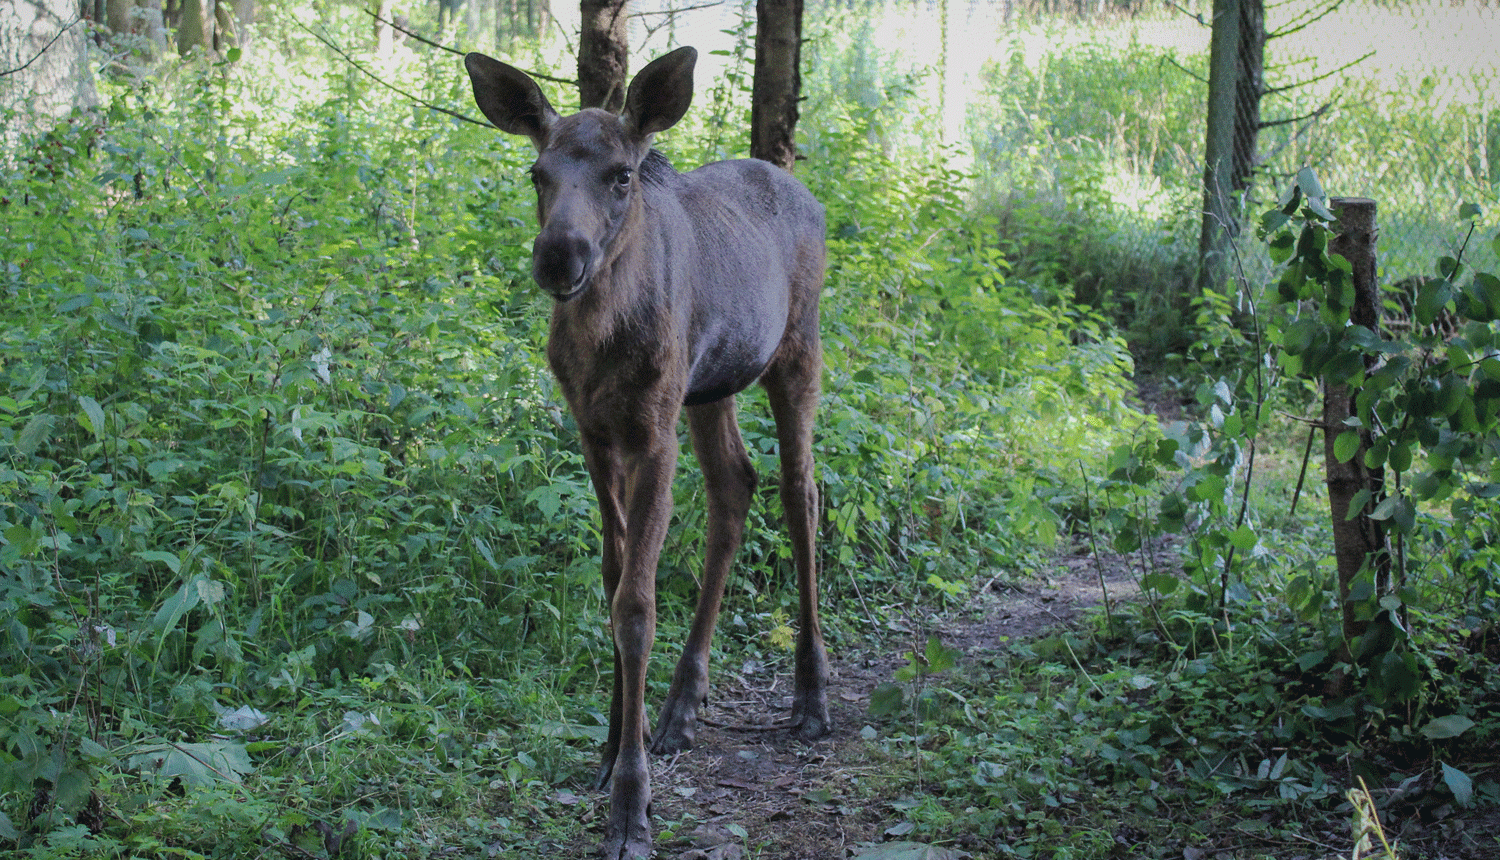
298, 548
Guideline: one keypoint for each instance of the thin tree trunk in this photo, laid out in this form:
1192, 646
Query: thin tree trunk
603, 55
1236, 68
1358, 541
778, 82
385, 37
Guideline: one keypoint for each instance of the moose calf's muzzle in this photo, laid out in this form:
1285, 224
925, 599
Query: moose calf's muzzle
562, 262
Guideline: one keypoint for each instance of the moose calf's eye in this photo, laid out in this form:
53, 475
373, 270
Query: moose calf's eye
622, 177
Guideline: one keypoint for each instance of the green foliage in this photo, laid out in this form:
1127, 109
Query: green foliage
1426, 409
1039, 747
286, 493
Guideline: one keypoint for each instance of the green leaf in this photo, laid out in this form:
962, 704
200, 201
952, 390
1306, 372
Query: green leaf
93, 416
1298, 337
1319, 207
1400, 458
1431, 299
939, 657
177, 605
1161, 583
195, 764
1450, 726
1281, 246
1243, 538
36, 431
1346, 445
75, 303
1308, 184
1469, 210
886, 699
170, 559
1484, 292
1271, 221
1459, 783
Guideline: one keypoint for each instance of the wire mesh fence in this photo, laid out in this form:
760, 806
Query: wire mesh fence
1103, 105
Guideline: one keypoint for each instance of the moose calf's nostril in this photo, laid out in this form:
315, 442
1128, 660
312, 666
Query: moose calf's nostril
560, 264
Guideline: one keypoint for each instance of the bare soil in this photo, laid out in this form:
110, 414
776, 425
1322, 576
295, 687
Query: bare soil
746, 782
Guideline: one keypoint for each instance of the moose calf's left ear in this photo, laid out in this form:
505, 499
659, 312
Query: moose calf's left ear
510, 99
661, 93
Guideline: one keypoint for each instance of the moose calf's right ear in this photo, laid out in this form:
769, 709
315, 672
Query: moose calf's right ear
510, 99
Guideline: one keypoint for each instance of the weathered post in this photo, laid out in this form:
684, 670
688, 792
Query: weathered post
1358, 540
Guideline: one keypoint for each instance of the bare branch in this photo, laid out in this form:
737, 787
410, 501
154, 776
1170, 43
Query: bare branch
45, 48
670, 15
456, 52
1296, 119
1297, 134
376, 78
1305, 19
677, 11
1186, 71
1196, 16
1349, 65
423, 39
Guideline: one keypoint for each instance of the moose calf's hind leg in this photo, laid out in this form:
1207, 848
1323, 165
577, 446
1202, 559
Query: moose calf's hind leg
730, 480
792, 387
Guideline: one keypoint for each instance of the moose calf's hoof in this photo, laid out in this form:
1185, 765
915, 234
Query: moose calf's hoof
676, 728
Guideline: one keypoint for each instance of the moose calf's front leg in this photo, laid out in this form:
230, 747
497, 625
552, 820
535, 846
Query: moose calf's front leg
648, 504
730, 481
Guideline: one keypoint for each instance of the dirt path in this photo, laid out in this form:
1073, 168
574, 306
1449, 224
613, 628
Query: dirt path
746, 783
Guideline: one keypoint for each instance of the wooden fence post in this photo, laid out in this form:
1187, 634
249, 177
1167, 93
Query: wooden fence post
1358, 541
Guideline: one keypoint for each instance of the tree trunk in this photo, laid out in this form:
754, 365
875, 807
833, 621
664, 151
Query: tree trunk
385, 37
37, 74
603, 55
225, 33
193, 26
244, 20
1358, 541
117, 14
1235, 71
778, 81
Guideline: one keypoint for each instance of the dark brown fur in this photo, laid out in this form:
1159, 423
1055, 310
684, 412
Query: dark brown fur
674, 291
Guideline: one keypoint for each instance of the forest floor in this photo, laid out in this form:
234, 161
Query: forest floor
746, 782
750, 791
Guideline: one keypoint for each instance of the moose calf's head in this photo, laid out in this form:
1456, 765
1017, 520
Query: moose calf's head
587, 170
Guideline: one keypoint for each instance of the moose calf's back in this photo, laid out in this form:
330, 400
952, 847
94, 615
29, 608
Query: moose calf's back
758, 231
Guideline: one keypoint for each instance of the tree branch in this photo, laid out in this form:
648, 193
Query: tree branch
45, 48
1349, 65
677, 11
457, 53
1296, 119
1186, 71
372, 76
1196, 16
1305, 20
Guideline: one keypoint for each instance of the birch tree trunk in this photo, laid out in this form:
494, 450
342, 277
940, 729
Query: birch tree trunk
44, 69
